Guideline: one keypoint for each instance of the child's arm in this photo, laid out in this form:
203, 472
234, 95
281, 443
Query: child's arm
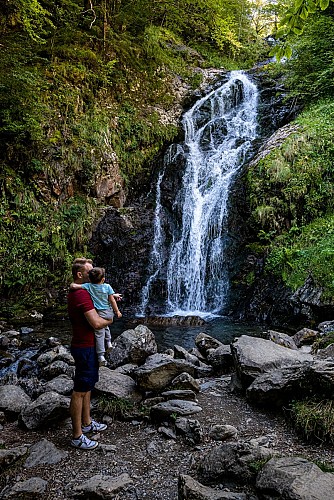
114, 306
75, 286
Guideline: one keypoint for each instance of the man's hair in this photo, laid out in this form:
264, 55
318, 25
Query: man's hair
96, 274
79, 264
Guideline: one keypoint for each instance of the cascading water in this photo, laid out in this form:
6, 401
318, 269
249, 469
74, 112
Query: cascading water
219, 130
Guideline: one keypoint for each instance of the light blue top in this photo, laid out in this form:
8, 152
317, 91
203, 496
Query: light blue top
99, 294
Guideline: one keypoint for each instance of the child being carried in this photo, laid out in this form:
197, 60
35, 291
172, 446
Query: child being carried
103, 296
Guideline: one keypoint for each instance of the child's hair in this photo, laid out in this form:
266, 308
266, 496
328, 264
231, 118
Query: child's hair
96, 274
79, 264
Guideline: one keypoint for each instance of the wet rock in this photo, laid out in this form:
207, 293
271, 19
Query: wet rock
190, 489
173, 408
104, 487
57, 368
159, 370
35, 487
117, 385
48, 409
132, 346
13, 399
205, 342
58, 353
294, 478
44, 453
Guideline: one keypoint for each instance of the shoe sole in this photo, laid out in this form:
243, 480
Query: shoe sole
85, 449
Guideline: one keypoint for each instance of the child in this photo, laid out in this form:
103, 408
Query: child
102, 296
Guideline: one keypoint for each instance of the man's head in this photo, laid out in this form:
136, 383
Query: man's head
96, 275
80, 270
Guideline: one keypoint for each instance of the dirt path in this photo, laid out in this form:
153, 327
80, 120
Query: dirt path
152, 461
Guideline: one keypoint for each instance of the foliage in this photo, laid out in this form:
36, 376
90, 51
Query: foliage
309, 74
293, 23
292, 201
116, 407
323, 342
314, 419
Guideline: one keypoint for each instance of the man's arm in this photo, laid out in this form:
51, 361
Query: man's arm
95, 321
75, 286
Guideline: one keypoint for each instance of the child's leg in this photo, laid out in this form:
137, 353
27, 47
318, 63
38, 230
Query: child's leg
105, 314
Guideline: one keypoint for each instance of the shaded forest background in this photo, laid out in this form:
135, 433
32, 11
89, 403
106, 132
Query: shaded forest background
82, 86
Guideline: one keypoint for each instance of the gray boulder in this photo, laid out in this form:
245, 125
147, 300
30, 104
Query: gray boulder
48, 409
223, 432
190, 489
61, 384
294, 478
253, 356
12, 400
58, 353
305, 336
205, 342
232, 461
57, 368
35, 487
132, 346
159, 370
8, 457
117, 385
189, 429
44, 453
172, 408
221, 358
104, 487
185, 381
282, 339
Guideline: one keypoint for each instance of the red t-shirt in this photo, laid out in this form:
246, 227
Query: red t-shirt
79, 302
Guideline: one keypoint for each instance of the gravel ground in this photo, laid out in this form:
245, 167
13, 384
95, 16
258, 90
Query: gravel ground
152, 461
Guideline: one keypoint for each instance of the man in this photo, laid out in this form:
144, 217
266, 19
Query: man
84, 320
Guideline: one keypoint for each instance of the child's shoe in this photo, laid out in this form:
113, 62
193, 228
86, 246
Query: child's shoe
102, 360
108, 346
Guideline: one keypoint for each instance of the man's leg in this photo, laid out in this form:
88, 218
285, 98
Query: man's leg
79, 411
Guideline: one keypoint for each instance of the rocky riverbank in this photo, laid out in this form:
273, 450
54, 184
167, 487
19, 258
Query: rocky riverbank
191, 426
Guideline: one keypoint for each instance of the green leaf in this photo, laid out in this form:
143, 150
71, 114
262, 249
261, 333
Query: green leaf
297, 30
288, 51
323, 4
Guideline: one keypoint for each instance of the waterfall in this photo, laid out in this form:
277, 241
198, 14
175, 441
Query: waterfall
219, 130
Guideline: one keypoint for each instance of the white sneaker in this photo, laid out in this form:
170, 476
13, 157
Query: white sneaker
109, 347
84, 443
102, 360
94, 427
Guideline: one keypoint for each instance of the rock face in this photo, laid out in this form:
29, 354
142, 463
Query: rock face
253, 356
294, 478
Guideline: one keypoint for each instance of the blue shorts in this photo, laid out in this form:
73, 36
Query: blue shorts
86, 368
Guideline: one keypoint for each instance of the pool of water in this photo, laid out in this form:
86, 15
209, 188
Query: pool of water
220, 328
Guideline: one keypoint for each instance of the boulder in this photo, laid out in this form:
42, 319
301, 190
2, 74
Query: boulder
294, 478
61, 384
282, 339
117, 385
253, 356
185, 381
189, 429
173, 408
205, 342
104, 487
58, 368
159, 370
35, 487
58, 353
232, 461
305, 336
181, 353
13, 399
132, 346
48, 409
44, 453
190, 489
221, 358
8, 457
222, 432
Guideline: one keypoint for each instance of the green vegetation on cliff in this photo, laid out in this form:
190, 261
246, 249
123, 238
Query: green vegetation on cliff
81, 87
